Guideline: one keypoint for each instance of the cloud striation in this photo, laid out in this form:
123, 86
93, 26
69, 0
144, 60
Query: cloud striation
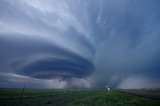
80, 43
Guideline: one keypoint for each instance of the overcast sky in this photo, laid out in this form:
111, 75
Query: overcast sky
80, 43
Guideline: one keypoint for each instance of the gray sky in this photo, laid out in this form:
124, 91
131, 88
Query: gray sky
80, 43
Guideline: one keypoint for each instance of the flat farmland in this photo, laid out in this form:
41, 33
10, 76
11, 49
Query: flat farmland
74, 97
150, 94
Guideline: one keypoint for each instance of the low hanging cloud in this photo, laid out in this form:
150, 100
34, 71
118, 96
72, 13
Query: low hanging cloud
76, 43
133, 82
42, 59
14, 80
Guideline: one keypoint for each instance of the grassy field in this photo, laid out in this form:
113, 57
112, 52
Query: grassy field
71, 97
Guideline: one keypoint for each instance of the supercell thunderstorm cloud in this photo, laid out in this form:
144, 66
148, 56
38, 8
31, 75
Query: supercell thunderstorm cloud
80, 43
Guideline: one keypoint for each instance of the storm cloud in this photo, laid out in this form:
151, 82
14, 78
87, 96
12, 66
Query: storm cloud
41, 59
82, 43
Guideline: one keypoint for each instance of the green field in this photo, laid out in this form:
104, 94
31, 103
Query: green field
71, 97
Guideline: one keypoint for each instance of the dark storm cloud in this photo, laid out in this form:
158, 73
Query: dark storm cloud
67, 39
57, 67
41, 59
